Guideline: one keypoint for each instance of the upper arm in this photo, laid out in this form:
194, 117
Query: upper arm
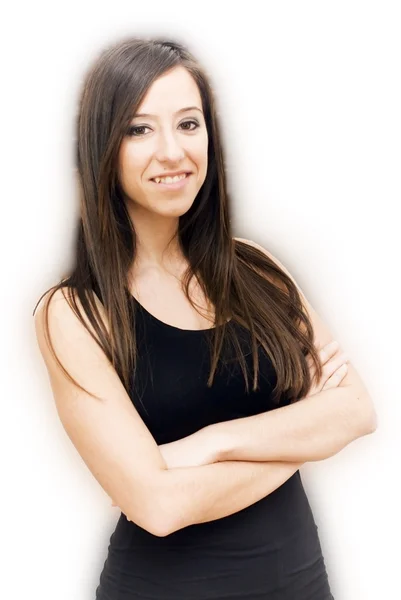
109, 435
322, 336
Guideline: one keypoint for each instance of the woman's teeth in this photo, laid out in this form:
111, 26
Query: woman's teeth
170, 179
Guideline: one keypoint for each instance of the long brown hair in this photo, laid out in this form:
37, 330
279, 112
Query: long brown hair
242, 283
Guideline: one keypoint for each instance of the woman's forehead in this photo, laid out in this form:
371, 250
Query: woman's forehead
170, 94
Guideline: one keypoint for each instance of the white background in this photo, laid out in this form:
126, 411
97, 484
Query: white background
309, 99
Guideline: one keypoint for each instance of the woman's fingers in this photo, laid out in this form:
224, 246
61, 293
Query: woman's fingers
333, 364
331, 360
328, 351
325, 353
336, 378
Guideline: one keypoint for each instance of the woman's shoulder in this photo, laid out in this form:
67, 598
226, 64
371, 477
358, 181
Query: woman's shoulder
254, 245
306, 304
267, 253
61, 307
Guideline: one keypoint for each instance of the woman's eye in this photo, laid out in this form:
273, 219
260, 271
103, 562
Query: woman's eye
139, 130
190, 123
134, 130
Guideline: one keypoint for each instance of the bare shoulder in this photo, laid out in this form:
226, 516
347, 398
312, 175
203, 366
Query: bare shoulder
70, 338
265, 251
322, 332
279, 264
62, 317
109, 433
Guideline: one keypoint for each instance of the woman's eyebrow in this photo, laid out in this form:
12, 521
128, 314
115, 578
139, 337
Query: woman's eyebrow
176, 113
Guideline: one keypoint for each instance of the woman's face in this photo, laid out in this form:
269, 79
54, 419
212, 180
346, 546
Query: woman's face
167, 135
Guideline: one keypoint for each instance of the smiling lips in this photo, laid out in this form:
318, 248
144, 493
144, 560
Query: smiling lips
170, 178
172, 183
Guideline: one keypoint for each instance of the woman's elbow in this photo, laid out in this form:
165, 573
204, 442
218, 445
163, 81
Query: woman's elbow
159, 516
367, 421
154, 522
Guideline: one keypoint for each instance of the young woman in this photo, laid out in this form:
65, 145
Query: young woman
188, 368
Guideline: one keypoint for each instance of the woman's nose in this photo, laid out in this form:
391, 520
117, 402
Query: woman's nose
169, 148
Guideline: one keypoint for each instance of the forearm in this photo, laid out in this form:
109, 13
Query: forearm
312, 429
200, 494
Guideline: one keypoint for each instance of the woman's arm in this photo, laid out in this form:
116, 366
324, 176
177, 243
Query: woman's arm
226, 487
312, 429
214, 491
316, 427
114, 442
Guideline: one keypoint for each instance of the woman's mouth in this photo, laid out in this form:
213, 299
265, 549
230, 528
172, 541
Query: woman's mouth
171, 183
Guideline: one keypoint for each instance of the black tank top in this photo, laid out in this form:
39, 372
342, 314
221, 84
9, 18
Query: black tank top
269, 550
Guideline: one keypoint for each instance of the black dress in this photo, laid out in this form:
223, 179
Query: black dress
270, 550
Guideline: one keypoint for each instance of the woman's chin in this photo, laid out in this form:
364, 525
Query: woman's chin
173, 208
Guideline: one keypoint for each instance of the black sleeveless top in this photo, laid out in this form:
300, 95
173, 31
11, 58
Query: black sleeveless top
269, 550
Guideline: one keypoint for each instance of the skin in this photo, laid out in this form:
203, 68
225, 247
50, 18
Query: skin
109, 435
203, 447
159, 144
168, 141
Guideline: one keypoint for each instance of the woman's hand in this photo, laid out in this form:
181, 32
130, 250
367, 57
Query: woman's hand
334, 364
